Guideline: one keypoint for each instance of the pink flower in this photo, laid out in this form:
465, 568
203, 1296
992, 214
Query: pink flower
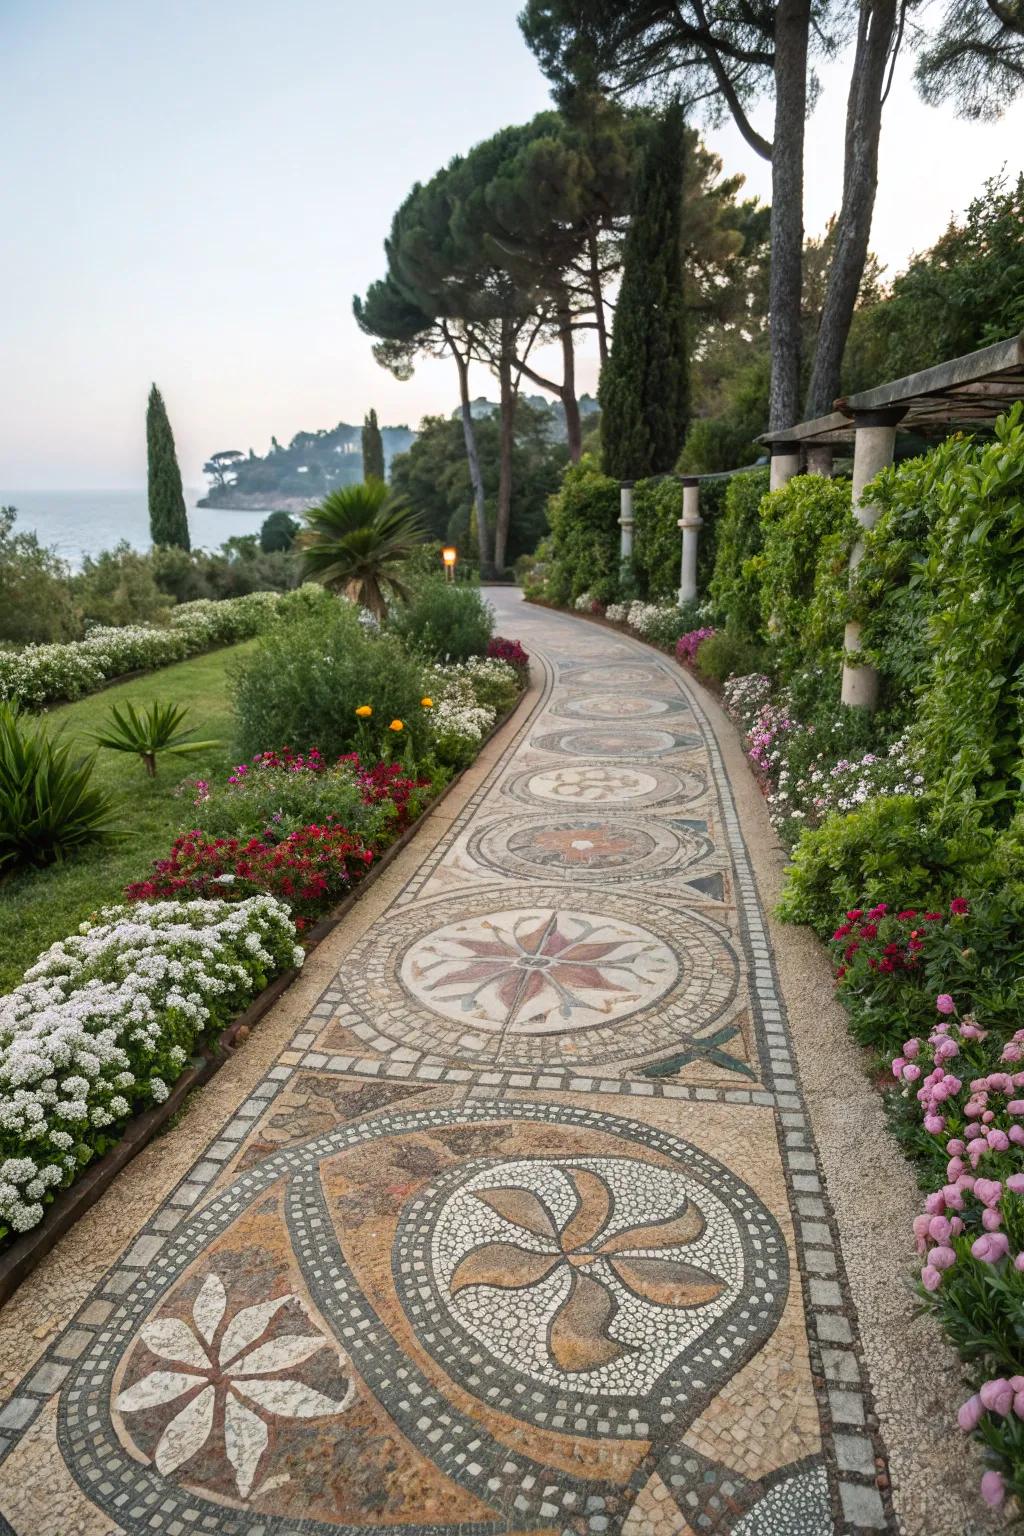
934, 1124
970, 1414
990, 1247
942, 1257
993, 1489
1015, 1183
931, 1278
944, 1003
998, 1140
911, 1073
988, 1191
1018, 1262
997, 1396
897, 1066
911, 1047
991, 1220
938, 1229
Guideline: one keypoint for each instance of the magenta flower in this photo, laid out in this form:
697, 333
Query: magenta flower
945, 1004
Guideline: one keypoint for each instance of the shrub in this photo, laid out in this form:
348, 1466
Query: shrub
734, 589
48, 807
36, 605
310, 673
444, 620
725, 654
657, 508
119, 586
584, 544
279, 792
895, 848
114, 1013
511, 652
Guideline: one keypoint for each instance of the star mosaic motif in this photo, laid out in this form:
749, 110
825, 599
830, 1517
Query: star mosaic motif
522, 961
582, 1248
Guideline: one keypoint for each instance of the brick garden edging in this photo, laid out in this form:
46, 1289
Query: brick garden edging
22, 1257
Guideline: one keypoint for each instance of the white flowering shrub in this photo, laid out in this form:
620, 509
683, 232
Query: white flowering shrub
458, 721
584, 603
617, 613
658, 623
41, 673
107, 1019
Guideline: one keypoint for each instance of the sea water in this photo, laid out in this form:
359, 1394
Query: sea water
79, 523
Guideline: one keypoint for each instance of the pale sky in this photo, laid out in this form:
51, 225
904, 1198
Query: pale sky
192, 192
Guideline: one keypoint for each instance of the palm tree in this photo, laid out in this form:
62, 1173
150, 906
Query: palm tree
356, 541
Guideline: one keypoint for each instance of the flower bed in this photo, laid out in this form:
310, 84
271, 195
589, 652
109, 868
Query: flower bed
797, 765
40, 674
105, 1021
941, 996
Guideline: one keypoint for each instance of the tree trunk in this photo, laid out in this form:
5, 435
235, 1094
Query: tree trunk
787, 227
483, 542
875, 30
570, 404
508, 417
598, 297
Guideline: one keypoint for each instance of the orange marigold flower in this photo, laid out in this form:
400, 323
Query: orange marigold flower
396, 725
427, 703
364, 711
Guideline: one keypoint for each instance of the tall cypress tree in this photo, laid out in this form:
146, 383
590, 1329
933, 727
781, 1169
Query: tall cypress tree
168, 520
373, 448
645, 385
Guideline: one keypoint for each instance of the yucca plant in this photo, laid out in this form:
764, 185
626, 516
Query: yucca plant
356, 541
48, 807
149, 731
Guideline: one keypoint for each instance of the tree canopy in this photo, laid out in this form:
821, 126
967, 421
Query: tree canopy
168, 519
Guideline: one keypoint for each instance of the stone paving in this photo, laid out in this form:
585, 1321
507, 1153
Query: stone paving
525, 1230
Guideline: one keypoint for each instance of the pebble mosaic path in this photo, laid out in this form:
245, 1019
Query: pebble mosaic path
525, 1230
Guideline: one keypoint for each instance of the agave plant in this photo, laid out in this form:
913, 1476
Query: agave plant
48, 807
149, 731
356, 541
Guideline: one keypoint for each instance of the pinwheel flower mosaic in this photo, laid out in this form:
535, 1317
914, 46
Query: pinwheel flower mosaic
645, 1259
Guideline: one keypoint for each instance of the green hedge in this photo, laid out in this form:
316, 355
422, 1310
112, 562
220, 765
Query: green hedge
733, 590
584, 543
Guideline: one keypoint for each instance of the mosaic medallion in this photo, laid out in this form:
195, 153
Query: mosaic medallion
630, 743
537, 971
619, 675
607, 784
616, 706
593, 1278
521, 977
590, 848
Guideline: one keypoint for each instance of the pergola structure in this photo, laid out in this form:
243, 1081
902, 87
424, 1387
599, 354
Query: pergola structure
967, 392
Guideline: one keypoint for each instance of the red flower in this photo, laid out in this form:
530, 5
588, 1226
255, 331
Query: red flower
854, 913
959, 907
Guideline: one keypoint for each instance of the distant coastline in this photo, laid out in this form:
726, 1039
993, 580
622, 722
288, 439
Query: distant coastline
256, 501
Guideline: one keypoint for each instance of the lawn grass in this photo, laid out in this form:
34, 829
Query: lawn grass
40, 906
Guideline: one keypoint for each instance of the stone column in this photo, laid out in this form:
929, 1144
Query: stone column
874, 444
690, 523
625, 522
785, 464
819, 458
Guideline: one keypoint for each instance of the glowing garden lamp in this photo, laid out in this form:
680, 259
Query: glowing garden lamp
449, 555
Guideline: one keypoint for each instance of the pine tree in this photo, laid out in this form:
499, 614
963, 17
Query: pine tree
168, 520
645, 385
373, 448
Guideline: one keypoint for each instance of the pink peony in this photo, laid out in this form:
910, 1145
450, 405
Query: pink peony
990, 1247
945, 1004
970, 1414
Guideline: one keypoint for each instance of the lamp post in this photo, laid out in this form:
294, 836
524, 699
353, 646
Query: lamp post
449, 555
